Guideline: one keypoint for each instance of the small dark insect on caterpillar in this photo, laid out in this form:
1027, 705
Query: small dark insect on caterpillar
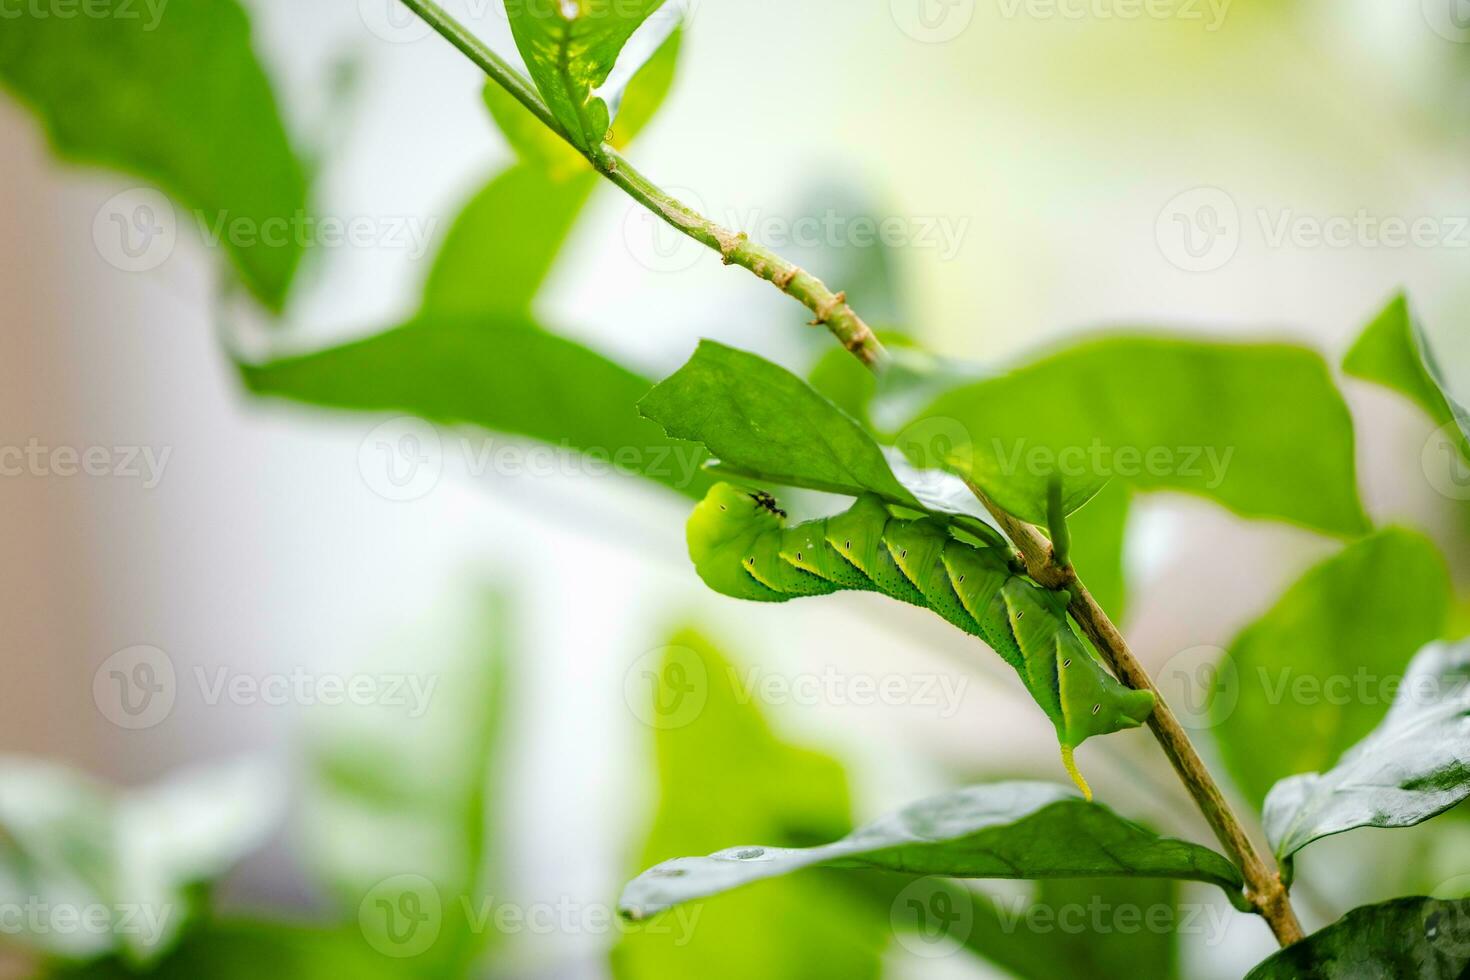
742, 548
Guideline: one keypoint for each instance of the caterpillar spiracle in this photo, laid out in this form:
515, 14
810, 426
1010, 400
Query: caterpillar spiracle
741, 547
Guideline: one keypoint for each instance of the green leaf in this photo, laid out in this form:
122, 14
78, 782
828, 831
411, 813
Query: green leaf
235, 950
571, 56
767, 426
913, 373
179, 101
500, 373
398, 795
1409, 769
1001, 830
1113, 947
1098, 526
766, 422
648, 90
1408, 937
1259, 428
1311, 670
843, 380
945, 495
68, 841
1099, 531
1104, 928
1393, 351
722, 773
505, 241
1459, 620
534, 143
883, 402
502, 245
532, 140
1441, 381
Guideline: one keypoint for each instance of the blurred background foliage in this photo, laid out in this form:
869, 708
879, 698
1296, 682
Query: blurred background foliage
1052, 142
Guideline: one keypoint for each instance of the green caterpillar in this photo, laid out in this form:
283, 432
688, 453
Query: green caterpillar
742, 548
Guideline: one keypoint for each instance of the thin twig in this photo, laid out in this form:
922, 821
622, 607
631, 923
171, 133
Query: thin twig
487, 60
829, 309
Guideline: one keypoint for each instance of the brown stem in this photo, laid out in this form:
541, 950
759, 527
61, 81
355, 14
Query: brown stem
1264, 889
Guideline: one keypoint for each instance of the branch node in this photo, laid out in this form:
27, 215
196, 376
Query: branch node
826, 311
729, 244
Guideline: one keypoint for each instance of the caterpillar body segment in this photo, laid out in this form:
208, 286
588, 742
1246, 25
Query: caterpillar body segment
918, 548
742, 548
857, 535
977, 579
806, 547
767, 567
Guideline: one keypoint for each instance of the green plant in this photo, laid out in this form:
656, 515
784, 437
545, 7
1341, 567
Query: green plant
979, 495
569, 52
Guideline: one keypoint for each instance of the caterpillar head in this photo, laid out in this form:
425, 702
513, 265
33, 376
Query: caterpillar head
720, 533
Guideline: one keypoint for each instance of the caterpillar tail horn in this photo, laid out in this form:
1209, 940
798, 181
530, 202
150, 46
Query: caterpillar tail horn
1075, 773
